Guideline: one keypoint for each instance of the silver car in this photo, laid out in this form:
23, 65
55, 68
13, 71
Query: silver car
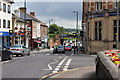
19, 50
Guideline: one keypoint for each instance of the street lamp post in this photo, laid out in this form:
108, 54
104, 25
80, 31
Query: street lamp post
47, 34
50, 21
76, 29
117, 34
25, 23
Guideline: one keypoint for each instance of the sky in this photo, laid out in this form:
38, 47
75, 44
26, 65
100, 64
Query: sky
60, 12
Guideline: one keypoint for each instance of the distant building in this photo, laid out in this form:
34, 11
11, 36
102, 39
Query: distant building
18, 26
44, 34
100, 22
5, 22
36, 30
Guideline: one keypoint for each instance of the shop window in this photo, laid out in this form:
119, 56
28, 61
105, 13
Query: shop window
4, 7
8, 24
4, 23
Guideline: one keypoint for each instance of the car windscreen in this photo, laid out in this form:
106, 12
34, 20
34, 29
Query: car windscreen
60, 47
16, 46
68, 46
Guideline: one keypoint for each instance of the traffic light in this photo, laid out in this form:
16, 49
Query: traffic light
82, 33
11, 32
74, 35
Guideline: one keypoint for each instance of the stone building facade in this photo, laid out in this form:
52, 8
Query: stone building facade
101, 25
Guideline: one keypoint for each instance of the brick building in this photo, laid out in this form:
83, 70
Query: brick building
100, 19
44, 35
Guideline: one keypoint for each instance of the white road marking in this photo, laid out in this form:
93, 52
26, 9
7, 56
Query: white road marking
60, 57
67, 64
59, 65
49, 65
55, 54
50, 68
47, 54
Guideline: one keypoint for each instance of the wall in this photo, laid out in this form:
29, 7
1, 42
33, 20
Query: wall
6, 16
105, 68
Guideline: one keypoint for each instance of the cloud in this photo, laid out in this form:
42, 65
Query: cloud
60, 12
63, 22
50, 0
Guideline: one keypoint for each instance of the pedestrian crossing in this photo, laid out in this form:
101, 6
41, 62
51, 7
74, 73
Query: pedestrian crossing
63, 65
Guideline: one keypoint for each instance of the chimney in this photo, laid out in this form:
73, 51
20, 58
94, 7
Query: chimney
32, 13
22, 9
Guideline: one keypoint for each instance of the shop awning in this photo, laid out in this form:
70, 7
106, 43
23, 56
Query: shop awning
37, 41
5, 34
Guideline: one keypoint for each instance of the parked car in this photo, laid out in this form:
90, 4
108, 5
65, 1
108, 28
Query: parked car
68, 48
19, 50
59, 49
5, 54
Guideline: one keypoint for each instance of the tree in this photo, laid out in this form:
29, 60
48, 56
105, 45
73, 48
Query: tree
55, 29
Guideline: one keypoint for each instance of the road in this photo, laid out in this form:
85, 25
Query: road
40, 64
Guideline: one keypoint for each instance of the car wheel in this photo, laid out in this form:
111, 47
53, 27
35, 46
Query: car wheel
22, 54
3, 59
28, 53
10, 57
17, 55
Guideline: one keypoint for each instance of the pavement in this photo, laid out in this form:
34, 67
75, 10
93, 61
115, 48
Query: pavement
83, 73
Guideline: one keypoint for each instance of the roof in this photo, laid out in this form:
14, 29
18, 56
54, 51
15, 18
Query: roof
36, 18
18, 18
43, 24
11, 1
22, 15
29, 17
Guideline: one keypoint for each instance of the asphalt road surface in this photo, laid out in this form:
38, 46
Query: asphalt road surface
40, 64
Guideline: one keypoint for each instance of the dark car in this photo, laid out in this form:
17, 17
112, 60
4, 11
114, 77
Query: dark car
59, 49
5, 54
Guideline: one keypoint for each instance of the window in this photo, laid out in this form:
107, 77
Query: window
115, 30
9, 9
0, 23
98, 30
115, 23
115, 3
4, 23
4, 7
0, 6
98, 5
16, 40
8, 24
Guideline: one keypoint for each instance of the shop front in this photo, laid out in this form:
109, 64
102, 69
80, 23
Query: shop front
5, 39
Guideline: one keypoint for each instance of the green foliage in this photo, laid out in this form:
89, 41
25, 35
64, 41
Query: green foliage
55, 29
52, 36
